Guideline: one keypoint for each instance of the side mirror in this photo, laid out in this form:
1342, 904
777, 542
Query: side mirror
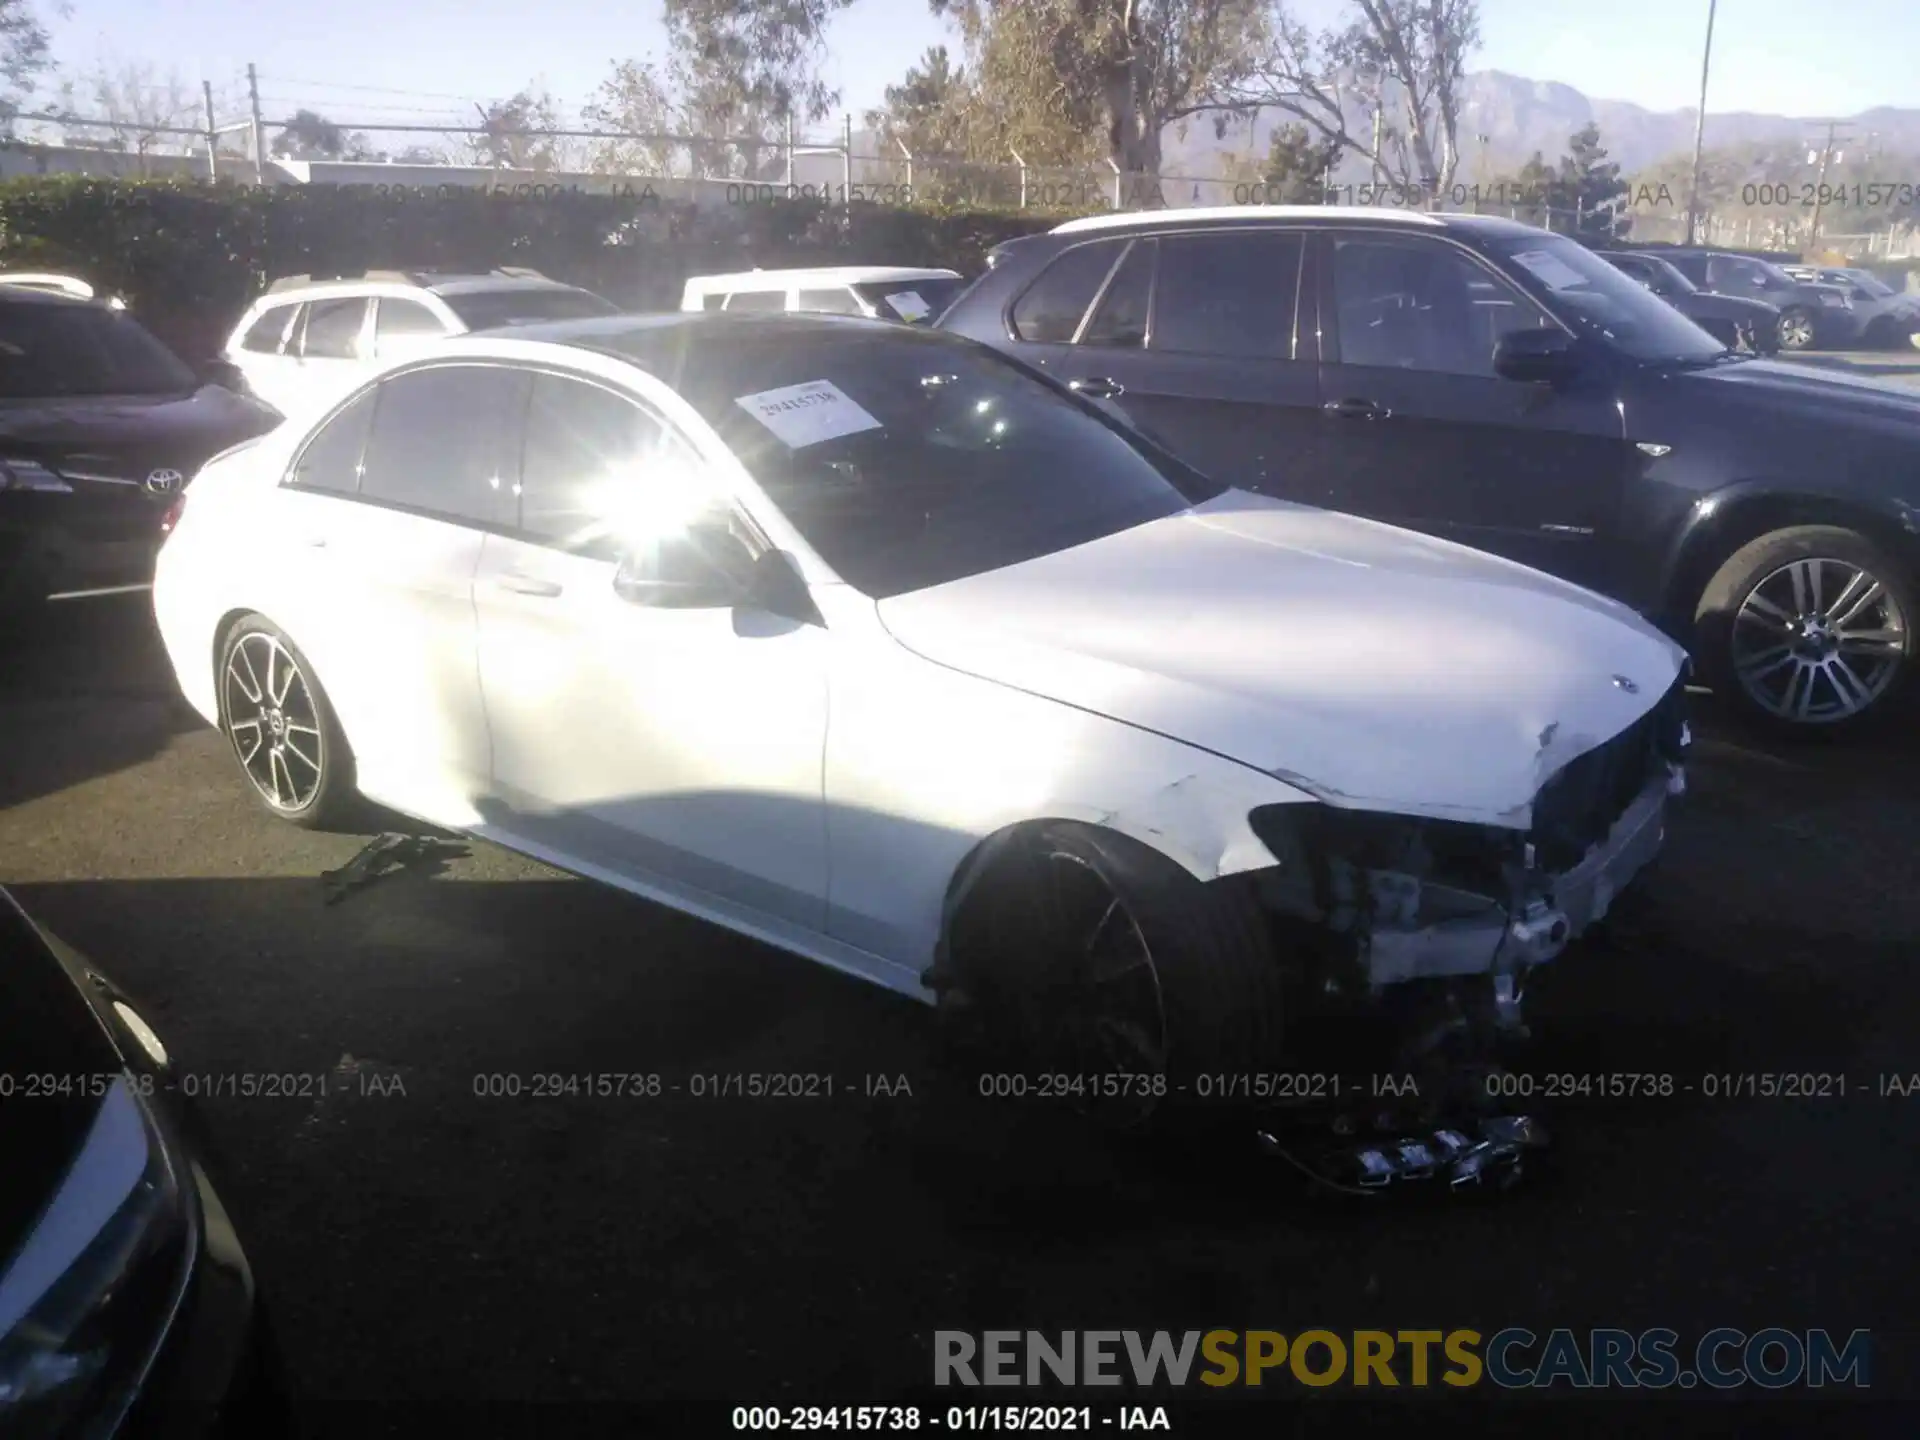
1535, 356
704, 567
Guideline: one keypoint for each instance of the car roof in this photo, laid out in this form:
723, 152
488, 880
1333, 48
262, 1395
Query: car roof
433, 283
822, 275
1134, 219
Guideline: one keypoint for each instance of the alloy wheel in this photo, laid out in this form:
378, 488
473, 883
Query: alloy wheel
273, 722
1818, 640
1796, 330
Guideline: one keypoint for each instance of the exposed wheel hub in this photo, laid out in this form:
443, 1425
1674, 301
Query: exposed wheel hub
1814, 637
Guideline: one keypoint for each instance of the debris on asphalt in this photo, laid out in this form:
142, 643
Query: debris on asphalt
385, 855
1493, 1161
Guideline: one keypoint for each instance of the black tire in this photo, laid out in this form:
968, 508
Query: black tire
329, 800
1799, 329
1764, 566
1209, 960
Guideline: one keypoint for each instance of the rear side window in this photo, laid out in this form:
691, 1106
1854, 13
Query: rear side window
333, 328
438, 441
1121, 317
582, 445
331, 460
265, 334
1228, 294
1049, 312
762, 300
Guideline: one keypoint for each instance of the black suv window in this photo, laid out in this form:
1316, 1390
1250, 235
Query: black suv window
1120, 319
266, 333
1228, 294
331, 459
581, 444
61, 347
1050, 311
438, 440
333, 328
1414, 305
396, 319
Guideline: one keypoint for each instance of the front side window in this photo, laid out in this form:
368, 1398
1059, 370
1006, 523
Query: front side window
395, 319
835, 301
1120, 319
265, 335
50, 348
438, 441
333, 329
1230, 294
330, 461
585, 453
1050, 311
1411, 305
757, 300
906, 459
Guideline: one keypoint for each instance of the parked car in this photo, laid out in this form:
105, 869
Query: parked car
882, 292
69, 285
1494, 384
307, 341
1736, 323
1812, 316
1889, 316
127, 1305
592, 590
100, 425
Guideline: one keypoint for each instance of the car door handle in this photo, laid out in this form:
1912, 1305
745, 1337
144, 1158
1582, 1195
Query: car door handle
527, 584
1097, 386
1357, 409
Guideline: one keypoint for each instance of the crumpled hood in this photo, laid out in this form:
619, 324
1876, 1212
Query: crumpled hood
1373, 667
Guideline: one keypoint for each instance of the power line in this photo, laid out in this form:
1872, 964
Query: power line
369, 89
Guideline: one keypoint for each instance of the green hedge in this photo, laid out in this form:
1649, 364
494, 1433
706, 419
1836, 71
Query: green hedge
188, 256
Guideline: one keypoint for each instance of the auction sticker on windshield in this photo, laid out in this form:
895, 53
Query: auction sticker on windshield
808, 413
910, 305
1551, 269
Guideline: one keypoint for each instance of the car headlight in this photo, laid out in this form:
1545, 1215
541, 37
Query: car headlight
85, 1301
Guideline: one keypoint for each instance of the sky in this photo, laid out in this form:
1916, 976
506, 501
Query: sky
361, 62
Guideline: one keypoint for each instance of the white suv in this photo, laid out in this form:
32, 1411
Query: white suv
880, 292
306, 341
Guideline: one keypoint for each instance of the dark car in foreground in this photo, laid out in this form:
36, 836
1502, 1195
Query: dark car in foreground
1497, 385
127, 1307
1813, 316
1735, 322
101, 425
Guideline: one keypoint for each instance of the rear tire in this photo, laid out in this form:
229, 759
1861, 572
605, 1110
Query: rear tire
1809, 630
1797, 328
1084, 952
285, 737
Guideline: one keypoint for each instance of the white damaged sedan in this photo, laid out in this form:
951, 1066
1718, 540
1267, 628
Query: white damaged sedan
884, 649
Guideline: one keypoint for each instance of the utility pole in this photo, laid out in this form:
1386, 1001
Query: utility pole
213, 132
1700, 127
259, 129
1820, 185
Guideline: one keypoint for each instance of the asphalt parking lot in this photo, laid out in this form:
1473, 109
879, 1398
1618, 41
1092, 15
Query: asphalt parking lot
429, 1250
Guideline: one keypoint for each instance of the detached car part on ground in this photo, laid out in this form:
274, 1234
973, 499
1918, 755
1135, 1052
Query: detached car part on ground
1496, 385
1135, 771
127, 1307
100, 427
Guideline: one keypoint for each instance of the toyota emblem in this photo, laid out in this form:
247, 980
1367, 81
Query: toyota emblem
164, 482
1621, 682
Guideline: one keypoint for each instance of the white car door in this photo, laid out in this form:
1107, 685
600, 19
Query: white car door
675, 745
383, 605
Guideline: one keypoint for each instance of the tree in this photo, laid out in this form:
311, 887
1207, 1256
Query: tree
753, 57
637, 99
511, 138
1593, 186
420, 155
927, 110
1124, 68
142, 110
1400, 60
1296, 168
309, 135
23, 57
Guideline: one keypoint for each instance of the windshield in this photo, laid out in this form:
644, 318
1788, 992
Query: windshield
50, 349
1603, 303
486, 309
907, 459
1872, 284
919, 302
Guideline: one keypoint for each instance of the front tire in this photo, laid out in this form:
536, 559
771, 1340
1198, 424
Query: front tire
1796, 329
285, 736
1084, 952
1807, 630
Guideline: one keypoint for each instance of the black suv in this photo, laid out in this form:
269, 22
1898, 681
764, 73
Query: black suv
1500, 386
1812, 315
1733, 321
